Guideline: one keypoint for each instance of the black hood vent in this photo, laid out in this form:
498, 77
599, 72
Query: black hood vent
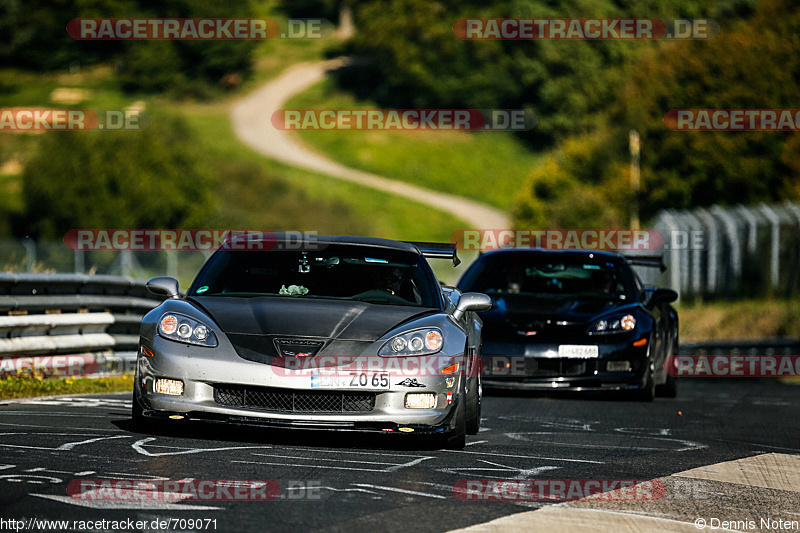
297, 347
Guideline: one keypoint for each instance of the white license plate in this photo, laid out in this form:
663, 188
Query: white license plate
351, 380
578, 350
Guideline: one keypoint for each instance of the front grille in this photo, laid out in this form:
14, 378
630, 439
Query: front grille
560, 367
292, 401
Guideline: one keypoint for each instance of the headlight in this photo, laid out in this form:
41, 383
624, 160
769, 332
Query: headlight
613, 325
418, 342
181, 328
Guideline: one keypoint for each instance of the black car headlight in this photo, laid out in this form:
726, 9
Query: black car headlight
181, 328
613, 325
418, 342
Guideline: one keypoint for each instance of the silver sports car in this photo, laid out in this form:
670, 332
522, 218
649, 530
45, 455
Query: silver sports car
340, 333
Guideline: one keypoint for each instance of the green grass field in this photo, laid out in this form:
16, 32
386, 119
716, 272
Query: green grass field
747, 319
295, 199
251, 191
486, 166
26, 386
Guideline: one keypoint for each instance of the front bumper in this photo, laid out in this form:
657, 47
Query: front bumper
537, 366
290, 398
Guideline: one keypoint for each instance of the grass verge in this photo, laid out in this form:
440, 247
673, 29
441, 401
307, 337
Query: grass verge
742, 320
276, 196
485, 166
26, 386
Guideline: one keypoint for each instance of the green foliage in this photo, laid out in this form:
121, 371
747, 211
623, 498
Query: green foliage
155, 178
419, 62
35, 38
683, 169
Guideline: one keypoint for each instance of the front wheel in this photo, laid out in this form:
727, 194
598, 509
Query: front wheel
670, 387
139, 421
648, 392
474, 408
457, 439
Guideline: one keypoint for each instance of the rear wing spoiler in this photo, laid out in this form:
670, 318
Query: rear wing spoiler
438, 250
654, 261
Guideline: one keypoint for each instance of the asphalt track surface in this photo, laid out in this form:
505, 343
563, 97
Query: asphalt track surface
349, 482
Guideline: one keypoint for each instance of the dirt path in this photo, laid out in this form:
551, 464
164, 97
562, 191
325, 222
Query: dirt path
251, 123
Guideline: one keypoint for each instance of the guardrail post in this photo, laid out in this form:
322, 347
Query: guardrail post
733, 236
674, 253
752, 224
713, 245
776, 233
79, 262
30, 253
696, 254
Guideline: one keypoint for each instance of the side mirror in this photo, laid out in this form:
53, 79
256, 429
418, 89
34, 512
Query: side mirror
164, 286
472, 301
664, 296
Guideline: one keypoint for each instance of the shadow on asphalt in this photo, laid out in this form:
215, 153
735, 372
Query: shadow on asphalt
226, 432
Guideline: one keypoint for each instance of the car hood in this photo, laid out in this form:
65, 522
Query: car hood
331, 319
525, 311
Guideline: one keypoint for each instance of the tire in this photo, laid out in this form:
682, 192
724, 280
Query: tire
139, 421
648, 392
457, 439
474, 408
670, 387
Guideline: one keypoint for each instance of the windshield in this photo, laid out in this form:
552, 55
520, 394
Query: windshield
547, 277
367, 274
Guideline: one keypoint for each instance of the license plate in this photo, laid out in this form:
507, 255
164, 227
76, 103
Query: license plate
578, 350
351, 380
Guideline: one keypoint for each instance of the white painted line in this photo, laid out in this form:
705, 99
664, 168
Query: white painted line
325, 459
406, 465
402, 491
334, 489
104, 430
70, 445
310, 466
495, 454
477, 442
524, 473
142, 505
139, 447
64, 447
319, 450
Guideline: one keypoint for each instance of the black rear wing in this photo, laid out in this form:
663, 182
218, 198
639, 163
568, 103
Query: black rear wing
438, 250
654, 261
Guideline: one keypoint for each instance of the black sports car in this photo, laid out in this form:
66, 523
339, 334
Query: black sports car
574, 319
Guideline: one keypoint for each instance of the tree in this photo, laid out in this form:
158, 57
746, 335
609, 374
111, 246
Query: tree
154, 178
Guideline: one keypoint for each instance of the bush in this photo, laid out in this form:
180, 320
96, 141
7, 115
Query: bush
154, 178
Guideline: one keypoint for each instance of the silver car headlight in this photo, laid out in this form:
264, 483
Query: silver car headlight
181, 328
418, 342
613, 325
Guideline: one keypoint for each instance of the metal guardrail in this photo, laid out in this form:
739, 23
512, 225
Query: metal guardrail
774, 346
62, 322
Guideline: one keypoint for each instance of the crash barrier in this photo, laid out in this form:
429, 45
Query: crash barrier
70, 324
773, 346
